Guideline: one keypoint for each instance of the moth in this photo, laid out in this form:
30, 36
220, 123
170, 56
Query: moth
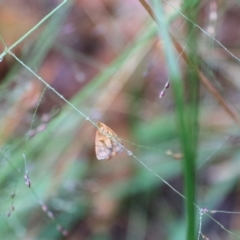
107, 143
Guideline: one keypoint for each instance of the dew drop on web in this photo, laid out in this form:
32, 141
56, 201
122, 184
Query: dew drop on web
129, 153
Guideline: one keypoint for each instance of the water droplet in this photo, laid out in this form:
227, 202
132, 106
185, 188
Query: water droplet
87, 118
129, 153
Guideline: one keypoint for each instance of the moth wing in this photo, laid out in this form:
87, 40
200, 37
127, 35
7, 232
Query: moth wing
117, 145
115, 142
102, 151
107, 143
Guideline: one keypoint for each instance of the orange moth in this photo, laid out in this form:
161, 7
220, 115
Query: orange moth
107, 143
